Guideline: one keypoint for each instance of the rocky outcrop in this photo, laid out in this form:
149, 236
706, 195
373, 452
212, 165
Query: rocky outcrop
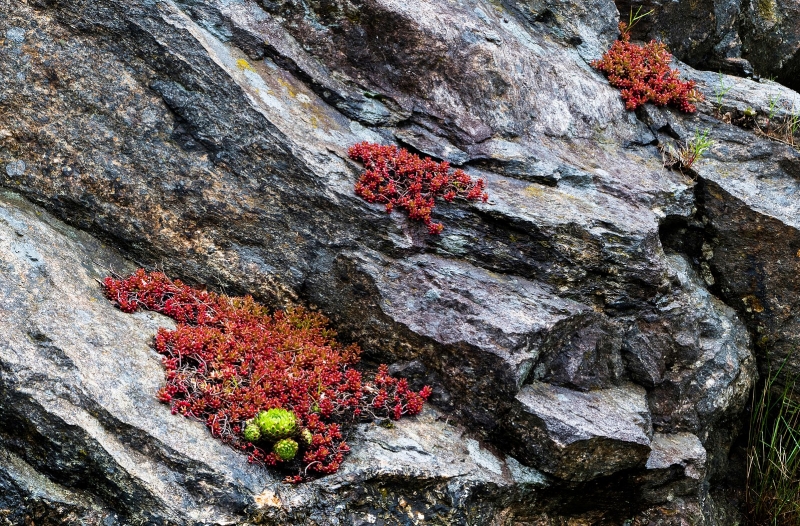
705, 34
580, 436
85, 440
771, 38
583, 330
750, 38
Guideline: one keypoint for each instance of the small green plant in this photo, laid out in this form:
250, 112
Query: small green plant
685, 156
721, 91
781, 128
794, 124
285, 449
276, 423
773, 107
252, 433
633, 19
773, 453
697, 146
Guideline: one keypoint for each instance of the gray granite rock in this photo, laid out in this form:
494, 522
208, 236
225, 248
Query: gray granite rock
705, 34
771, 39
748, 38
85, 439
680, 449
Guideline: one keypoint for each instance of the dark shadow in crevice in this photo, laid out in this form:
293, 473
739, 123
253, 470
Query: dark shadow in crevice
691, 237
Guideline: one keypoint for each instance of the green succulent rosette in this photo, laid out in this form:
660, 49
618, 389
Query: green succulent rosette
252, 432
307, 437
285, 449
276, 424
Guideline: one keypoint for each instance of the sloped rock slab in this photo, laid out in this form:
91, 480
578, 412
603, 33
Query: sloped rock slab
581, 436
83, 438
479, 312
78, 381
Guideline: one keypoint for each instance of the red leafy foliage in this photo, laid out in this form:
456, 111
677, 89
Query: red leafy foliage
398, 178
642, 74
229, 358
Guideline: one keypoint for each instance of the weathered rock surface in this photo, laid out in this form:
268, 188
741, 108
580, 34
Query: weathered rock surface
704, 34
580, 436
84, 438
592, 319
771, 38
759, 38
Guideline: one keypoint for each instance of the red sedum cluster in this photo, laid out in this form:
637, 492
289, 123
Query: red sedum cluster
642, 74
397, 178
228, 359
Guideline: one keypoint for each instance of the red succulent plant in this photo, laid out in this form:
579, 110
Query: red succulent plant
229, 358
643, 74
400, 179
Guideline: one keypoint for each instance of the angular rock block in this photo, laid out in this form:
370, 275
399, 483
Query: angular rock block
481, 331
682, 450
754, 250
581, 436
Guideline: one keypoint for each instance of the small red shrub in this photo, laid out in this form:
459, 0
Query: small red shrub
228, 359
398, 178
642, 74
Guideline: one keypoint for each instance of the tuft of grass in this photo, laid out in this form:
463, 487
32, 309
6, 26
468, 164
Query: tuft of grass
773, 106
634, 18
783, 129
773, 454
793, 123
685, 156
721, 91
698, 145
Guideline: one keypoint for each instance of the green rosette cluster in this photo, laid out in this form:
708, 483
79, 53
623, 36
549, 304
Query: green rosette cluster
252, 433
279, 427
285, 449
276, 424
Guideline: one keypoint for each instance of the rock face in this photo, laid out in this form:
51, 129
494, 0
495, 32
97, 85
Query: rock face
589, 332
741, 37
84, 439
705, 34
